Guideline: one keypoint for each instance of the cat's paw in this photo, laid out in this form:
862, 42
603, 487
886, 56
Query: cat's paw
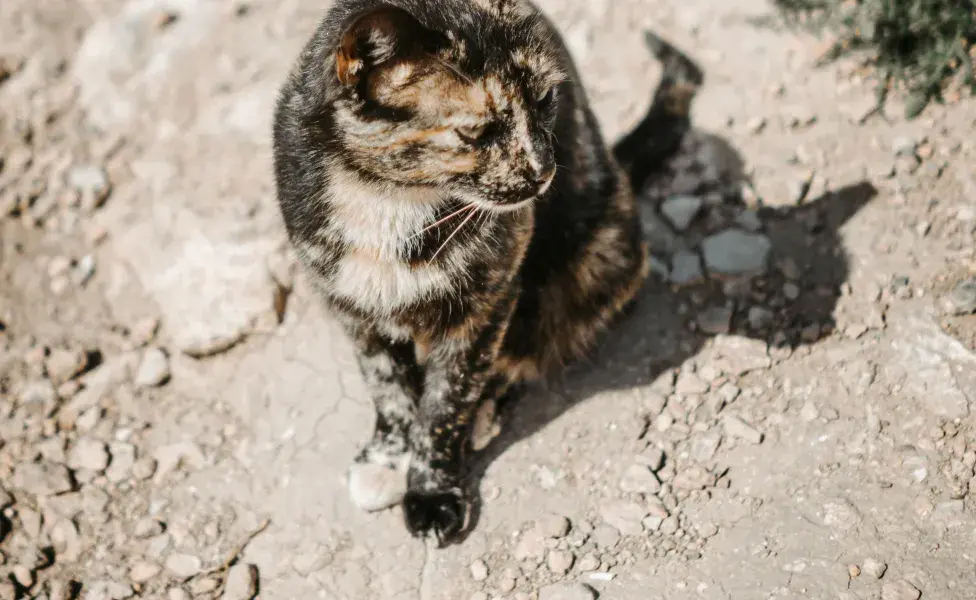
374, 487
442, 515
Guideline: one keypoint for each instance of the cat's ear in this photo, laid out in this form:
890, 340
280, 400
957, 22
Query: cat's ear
377, 37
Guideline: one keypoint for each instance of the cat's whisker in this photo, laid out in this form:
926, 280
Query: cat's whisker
453, 233
443, 220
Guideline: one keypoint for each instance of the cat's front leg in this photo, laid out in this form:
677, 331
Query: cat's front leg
458, 383
377, 479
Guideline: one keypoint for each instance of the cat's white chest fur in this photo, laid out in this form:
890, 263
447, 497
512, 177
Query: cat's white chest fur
380, 225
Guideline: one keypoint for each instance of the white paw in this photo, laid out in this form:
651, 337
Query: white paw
376, 487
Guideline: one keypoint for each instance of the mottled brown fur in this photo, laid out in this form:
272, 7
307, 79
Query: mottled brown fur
416, 153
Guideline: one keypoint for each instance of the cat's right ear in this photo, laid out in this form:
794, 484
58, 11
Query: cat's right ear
374, 38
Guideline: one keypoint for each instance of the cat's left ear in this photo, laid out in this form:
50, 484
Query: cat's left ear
378, 37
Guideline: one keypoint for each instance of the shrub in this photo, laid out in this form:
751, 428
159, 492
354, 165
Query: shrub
916, 45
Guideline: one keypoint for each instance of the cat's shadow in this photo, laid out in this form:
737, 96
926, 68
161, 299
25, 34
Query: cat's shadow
808, 267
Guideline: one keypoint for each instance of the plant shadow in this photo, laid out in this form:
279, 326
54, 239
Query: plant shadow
788, 305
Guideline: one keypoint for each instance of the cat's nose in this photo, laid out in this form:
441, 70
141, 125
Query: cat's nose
542, 175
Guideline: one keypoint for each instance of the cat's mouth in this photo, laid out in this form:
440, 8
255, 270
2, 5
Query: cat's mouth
513, 202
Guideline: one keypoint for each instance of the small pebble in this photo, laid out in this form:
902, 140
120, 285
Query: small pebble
553, 526
681, 210
735, 252
755, 125
853, 571
479, 570
88, 453
686, 268
904, 146
625, 517
874, 568
639, 479
560, 561
242, 582
143, 572
183, 565
567, 591
588, 563
154, 369
736, 427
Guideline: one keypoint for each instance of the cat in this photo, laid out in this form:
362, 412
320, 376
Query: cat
446, 186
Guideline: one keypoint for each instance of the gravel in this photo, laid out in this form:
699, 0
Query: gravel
961, 300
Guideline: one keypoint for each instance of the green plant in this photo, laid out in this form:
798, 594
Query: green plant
918, 45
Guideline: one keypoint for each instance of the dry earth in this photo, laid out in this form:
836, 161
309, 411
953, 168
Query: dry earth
794, 420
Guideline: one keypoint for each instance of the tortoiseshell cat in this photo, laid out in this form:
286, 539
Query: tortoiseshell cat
446, 185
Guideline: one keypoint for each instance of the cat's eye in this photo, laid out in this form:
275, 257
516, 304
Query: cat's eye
545, 99
470, 133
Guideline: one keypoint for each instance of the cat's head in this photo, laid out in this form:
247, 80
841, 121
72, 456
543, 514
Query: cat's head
468, 105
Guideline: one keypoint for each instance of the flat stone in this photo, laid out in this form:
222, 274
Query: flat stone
144, 571
242, 582
737, 355
693, 478
567, 591
553, 526
737, 428
686, 268
638, 479
605, 536
42, 479
183, 565
88, 453
735, 252
652, 458
625, 517
874, 568
681, 210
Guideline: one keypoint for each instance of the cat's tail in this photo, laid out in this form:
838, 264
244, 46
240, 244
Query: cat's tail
659, 134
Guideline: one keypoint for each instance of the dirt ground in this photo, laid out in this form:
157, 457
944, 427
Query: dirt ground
788, 415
